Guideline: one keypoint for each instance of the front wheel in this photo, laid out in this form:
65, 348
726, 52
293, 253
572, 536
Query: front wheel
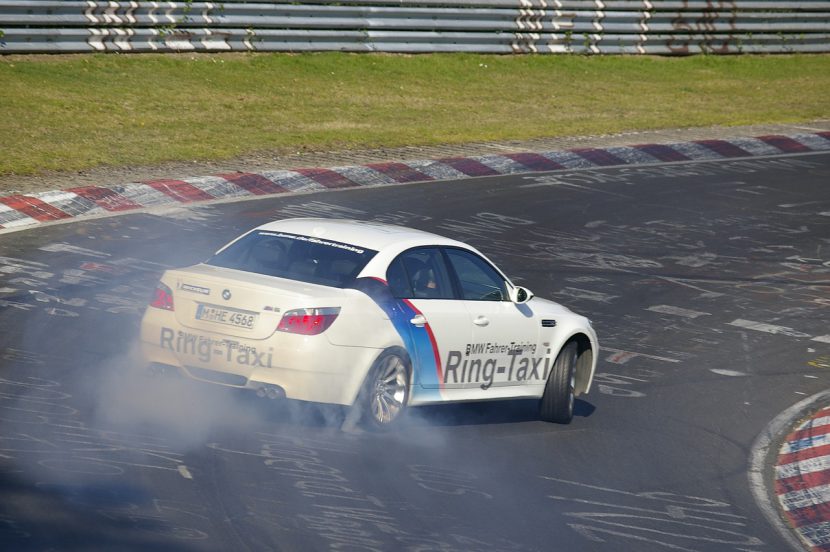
385, 392
557, 404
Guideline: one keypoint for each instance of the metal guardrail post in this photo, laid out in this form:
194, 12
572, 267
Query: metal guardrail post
669, 27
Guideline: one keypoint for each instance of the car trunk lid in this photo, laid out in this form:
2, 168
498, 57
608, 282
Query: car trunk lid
241, 304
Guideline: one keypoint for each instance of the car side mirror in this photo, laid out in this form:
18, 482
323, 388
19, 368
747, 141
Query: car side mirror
520, 295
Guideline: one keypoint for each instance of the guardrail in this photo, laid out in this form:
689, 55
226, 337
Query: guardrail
486, 26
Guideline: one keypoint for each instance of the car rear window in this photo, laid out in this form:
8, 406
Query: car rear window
296, 257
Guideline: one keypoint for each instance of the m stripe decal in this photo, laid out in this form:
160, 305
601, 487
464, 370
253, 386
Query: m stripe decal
438, 370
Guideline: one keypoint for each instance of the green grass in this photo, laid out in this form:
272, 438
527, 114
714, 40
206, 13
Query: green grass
78, 112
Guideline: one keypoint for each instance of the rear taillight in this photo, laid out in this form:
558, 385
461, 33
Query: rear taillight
308, 321
162, 297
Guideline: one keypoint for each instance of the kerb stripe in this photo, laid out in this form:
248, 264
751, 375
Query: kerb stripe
470, 167
534, 161
599, 156
724, 148
105, 198
327, 177
34, 208
400, 172
179, 190
785, 144
661, 152
253, 183
808, 432
804, 454
809, 515
802, 481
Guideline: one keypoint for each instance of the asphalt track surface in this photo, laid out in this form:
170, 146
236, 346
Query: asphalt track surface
706, 282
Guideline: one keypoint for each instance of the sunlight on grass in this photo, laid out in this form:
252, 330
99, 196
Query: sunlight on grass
77, 112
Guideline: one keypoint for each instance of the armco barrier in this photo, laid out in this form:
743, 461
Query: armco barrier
492, 26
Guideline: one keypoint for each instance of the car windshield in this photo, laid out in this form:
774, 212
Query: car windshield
296, 257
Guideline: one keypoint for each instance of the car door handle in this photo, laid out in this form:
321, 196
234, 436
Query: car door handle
419, 320
481, 321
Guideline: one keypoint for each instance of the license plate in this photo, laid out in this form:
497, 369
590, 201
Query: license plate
229, 317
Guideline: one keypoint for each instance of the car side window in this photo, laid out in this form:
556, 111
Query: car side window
479, 280
420, 274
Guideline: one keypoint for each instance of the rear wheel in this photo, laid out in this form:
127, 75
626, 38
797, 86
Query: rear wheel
557, 404
385, 393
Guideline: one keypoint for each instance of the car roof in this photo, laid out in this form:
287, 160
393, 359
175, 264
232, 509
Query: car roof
371, 235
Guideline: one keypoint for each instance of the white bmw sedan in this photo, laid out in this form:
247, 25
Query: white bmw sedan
369, 315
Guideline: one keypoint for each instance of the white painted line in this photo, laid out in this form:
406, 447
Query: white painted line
822, 339
747, 191
184, 472
813, 496
767, 328
587, 294
791, 205
677, 311
67, 248
732, 373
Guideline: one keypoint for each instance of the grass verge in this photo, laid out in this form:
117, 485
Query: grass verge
83, 111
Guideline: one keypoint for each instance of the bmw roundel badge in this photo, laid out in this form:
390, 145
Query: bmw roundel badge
226, 294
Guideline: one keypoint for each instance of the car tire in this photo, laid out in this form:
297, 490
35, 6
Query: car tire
385, 393
557, 404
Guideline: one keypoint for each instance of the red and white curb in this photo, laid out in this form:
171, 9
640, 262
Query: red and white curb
21, 211
802, 480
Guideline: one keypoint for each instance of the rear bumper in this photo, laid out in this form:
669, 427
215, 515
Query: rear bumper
307, 368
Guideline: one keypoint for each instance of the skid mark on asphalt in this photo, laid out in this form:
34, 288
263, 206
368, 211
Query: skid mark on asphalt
58, 293
309, 475
624, 380
621, 357
677, 311
772, 329
49, 446
668, 520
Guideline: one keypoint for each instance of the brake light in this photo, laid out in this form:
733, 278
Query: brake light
162, 297
308, 321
